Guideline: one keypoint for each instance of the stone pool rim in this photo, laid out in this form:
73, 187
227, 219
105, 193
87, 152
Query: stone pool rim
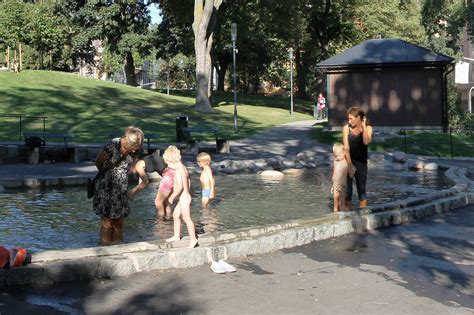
51, 267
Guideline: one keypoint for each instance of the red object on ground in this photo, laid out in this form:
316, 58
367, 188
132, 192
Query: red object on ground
4, 256
17, 256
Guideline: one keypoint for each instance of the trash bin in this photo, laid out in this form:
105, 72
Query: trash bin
181, 122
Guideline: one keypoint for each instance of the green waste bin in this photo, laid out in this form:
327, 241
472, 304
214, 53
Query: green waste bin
181, 122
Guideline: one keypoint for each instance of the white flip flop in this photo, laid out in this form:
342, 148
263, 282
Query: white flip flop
216, 267
227, 267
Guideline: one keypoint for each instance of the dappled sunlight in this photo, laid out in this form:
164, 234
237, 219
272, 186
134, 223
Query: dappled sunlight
92, 109
394, 101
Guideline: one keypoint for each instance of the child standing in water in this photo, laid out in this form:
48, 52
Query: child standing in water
339, 176
207, 180
181, 187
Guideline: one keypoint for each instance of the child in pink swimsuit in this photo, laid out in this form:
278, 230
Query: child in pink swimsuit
166, 184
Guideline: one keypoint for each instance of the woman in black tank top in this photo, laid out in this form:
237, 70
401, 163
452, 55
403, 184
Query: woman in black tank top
356, 136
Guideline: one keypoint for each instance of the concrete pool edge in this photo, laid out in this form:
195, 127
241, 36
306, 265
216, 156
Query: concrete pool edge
126, 259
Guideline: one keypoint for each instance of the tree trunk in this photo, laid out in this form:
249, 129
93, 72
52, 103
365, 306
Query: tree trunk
129, 70
205, 17
221, 71
301, 73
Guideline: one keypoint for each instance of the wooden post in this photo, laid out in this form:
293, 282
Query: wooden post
21, 58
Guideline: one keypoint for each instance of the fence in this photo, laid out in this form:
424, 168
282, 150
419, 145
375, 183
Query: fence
21, 120
445, 142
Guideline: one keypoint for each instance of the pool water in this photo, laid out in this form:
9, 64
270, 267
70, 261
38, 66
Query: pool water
63, 218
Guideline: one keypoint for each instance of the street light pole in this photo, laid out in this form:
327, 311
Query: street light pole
291, 81
233, 35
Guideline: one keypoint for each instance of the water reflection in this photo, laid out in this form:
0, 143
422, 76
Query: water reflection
63, 218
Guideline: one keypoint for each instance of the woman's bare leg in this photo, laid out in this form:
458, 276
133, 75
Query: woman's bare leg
117, 230
106, 230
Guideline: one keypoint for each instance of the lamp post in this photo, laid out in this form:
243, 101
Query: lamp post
291, 81
233, 35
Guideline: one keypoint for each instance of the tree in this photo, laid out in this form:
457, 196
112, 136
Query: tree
46, 30
205, 18
13, 22
123, 26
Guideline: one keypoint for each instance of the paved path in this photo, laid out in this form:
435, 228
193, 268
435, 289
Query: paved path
418, 268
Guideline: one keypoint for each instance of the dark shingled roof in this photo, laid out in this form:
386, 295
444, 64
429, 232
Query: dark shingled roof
384, 52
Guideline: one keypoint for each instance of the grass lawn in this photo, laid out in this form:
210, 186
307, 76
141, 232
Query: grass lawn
420, 143
92, 109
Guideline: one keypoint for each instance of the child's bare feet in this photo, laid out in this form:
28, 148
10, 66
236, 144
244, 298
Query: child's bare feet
173, 239
193, 244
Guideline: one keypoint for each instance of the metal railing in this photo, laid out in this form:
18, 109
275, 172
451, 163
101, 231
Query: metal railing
21, 118
451, 142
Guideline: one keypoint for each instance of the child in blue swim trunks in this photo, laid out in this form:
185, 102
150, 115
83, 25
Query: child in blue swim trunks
207, 180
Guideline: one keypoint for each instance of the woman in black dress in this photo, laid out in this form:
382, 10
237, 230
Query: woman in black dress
112, 198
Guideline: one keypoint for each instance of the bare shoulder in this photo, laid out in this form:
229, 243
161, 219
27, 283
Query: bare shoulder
181, 170
345, 129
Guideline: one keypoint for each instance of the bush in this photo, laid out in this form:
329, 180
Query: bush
458, 118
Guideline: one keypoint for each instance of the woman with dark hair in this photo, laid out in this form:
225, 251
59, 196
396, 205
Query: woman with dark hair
356, 136
112, 197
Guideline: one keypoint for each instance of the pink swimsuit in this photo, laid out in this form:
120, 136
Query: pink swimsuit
166, 184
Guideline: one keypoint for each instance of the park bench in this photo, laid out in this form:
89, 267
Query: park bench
146, 136
222, 145
44, 136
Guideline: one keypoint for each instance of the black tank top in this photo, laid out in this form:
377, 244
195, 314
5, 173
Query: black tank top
154, 163
357, 149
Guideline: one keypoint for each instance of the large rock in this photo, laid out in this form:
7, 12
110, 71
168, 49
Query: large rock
377, 157
416, 164
288, 164
431, 167
272, 174
302, 156
399, 157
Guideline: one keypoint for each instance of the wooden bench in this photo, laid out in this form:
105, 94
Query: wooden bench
222, 145
188, 131
66, 136
146, 136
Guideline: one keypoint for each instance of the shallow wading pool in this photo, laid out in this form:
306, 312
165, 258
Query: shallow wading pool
63, 218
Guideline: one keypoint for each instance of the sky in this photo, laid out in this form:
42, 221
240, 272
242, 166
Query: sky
155, 14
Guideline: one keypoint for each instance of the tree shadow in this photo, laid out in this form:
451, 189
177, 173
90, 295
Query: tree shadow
429, 264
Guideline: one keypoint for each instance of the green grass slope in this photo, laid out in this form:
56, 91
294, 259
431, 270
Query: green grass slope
93, 109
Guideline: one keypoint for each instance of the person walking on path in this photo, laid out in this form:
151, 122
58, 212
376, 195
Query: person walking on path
112, 198
321, 106
356, 136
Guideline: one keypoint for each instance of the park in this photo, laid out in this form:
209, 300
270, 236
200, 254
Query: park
242, 82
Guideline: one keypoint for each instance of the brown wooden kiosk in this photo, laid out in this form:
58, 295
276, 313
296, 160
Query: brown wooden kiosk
398, 84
